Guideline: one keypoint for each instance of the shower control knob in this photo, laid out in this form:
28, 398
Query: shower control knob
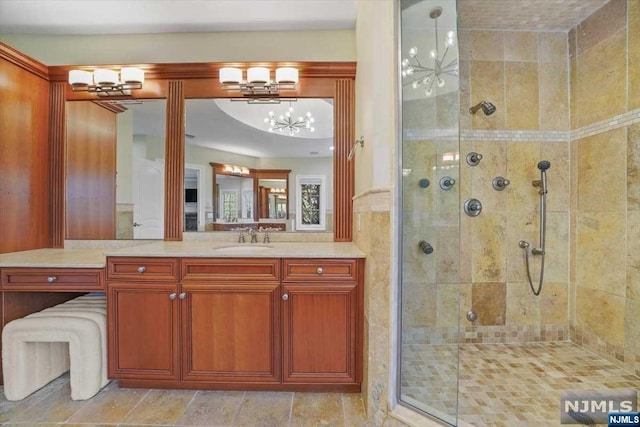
472, 207
499, 183
473, 158
425, 247
447, 183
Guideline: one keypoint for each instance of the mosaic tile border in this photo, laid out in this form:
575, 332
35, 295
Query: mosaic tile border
468, 135
589, 340
507, 334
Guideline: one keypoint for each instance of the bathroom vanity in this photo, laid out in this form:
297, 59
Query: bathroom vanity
213, 315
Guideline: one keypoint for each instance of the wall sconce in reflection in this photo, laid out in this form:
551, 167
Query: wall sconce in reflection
236, 170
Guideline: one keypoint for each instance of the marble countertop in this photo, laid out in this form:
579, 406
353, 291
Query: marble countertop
96, 257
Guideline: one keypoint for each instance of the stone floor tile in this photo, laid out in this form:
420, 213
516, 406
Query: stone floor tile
264, 409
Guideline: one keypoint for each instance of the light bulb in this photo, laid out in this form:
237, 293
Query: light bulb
405, 63
307, 125
312, 129
448, 43
413, 51
312, 120
281, 117
428, 92
308, 114
288, 114
451, 35
270, 129
434, 53
266, 119
415, 84
440, 82
410, 71
271, 114
300, 119
426, 81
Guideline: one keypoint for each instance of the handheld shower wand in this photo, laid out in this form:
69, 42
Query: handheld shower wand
544, 165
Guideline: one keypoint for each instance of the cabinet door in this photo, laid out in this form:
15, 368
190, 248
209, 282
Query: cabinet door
320, 342
232, 332
143, 331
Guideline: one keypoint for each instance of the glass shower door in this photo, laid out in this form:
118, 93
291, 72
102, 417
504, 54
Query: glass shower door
430, 208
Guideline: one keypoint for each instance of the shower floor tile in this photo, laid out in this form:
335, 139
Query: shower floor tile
504, 381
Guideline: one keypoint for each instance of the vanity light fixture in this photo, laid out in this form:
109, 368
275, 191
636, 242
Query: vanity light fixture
105, 82
236, 170
259, 87
287, 123
277, 190
416, 74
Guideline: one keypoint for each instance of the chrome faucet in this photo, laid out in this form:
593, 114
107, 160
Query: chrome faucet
241, 236
254, 236
266, 236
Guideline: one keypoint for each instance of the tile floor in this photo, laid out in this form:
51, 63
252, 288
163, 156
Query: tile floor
113, 406
496, 380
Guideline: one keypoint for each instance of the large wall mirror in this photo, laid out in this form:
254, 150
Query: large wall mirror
115, 165
241, 158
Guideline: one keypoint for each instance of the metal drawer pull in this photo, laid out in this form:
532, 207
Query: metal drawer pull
142, 269
183, 295
52, 279
285, 297
172, 295
320, 270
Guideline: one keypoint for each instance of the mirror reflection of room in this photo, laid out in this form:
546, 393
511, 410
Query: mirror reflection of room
249, 170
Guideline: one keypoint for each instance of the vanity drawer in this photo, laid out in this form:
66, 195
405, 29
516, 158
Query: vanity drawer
231, 269
143, 269
319, 270
53, 279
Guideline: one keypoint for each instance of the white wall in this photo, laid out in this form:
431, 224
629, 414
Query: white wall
124, 153
375, 94
330, 45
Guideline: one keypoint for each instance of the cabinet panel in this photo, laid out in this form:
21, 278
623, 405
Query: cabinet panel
144, 269
231, 269
232, 333
143, 331
320, 339
319, 270
53, 279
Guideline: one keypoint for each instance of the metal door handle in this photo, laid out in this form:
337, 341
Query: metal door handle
135, 224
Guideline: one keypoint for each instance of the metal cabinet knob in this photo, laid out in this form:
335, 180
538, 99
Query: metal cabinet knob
320, 270
52, 279
142, 269
182, 295
285, 297
172, 295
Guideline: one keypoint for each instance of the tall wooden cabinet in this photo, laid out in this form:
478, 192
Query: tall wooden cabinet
236, 323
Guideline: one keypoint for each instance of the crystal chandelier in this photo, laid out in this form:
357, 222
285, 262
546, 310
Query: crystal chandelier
416, 74
288, 123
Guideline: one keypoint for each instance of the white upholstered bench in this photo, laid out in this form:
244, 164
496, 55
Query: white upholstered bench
40, 347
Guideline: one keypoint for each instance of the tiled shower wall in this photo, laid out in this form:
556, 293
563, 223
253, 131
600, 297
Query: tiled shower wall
604, 52
572, 99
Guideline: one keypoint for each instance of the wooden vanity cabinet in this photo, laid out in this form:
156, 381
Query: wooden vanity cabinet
231, 320
322, 322
143, 319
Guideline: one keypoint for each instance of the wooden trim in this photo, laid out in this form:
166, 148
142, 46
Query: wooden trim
174, 163
23, 61
343, 170
209, 70
58, 162
250, 386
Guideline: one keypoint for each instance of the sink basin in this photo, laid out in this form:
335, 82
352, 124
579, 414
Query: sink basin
247, 247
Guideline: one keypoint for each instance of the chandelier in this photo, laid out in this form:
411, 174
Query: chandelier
416, 74
105, 82
288, 123
259, 87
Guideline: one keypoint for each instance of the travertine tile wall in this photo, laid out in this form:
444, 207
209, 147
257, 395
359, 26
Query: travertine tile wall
525, 74
604, 53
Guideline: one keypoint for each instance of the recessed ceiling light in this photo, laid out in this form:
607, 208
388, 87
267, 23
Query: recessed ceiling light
332, 148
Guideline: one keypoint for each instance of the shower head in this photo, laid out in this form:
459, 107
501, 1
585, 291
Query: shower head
544, 165
487, 108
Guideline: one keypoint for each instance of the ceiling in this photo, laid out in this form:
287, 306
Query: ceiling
164, 16
238, 127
